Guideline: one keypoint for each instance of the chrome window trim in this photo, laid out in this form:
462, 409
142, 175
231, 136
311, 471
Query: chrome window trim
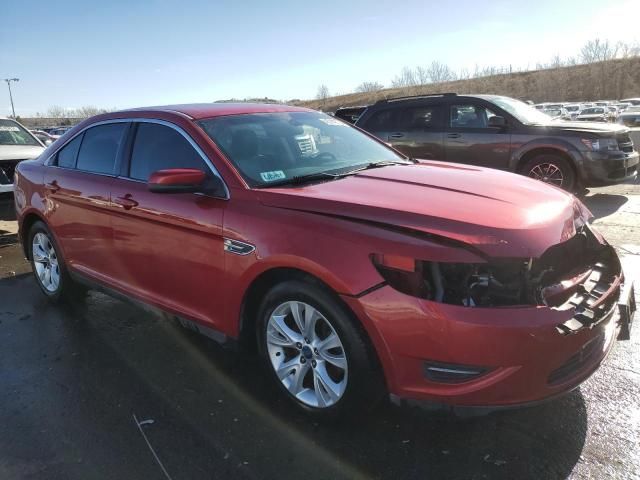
178, 129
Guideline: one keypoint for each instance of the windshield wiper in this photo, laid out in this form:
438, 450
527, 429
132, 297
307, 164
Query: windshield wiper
310, 177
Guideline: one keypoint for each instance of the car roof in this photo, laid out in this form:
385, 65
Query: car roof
197, 111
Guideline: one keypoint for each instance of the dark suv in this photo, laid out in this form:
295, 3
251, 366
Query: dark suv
501, 132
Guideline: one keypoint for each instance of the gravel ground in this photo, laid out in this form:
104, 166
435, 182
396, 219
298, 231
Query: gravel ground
71, 380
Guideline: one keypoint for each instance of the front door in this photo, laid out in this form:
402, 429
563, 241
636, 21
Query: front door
170, 249
469, 138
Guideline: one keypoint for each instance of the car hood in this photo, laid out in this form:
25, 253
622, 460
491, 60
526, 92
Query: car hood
19, 152
582, 127
498, 213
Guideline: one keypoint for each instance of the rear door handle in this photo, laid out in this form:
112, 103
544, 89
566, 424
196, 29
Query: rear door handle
454, 135
53, 186
396, 135
126, 202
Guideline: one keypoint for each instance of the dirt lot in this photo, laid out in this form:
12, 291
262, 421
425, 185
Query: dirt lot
72, 379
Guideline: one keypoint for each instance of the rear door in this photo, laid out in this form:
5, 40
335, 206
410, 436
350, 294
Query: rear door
419, 131
170, 249
470, 139
78, 183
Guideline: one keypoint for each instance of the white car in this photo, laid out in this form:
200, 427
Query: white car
16, 144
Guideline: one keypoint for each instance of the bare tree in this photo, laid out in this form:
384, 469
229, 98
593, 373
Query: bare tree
323, 93
87, 111
421, 76
440, 72
407, 78
597, 50
365, 87
56, 111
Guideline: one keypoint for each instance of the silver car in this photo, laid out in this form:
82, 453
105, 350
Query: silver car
16, 144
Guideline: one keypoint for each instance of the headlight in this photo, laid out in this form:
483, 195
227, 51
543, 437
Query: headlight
600, 144
464, 284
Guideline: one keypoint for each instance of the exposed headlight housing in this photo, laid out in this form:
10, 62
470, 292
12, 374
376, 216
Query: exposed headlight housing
600, 144
466, 284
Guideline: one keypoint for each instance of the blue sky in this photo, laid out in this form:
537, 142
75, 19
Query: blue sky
125, 53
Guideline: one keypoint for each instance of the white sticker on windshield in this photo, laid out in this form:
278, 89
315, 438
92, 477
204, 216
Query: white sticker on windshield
9, 129
273, 175
333, 121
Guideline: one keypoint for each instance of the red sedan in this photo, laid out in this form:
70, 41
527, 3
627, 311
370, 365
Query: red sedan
357, 271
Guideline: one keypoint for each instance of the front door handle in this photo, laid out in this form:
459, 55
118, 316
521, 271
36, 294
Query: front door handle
126, 202
454, 135
53, 186
396, 135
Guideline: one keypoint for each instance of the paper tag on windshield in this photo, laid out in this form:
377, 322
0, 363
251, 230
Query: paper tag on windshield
9, 129
273, 175
333, 121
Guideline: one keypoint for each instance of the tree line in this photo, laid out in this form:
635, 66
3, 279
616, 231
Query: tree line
595, 54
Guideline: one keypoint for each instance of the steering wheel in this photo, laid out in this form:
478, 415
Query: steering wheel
326, 155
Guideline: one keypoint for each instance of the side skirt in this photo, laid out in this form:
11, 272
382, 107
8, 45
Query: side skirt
193, 325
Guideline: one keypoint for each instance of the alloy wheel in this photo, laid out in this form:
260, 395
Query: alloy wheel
307, 354
548, 173
45, 261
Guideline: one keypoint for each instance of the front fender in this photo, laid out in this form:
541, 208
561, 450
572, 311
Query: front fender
545, 144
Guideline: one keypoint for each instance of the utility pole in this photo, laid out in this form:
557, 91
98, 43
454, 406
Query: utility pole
9, 80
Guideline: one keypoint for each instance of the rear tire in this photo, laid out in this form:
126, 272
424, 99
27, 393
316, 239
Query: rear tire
552, 169
322, 361
49, 268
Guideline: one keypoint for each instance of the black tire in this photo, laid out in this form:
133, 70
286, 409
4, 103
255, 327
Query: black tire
67, 290
365, 384
553, 164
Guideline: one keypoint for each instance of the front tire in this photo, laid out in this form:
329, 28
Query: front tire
316, 353
552, 169
48, 266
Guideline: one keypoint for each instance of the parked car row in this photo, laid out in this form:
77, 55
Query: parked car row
598, 111
356, 270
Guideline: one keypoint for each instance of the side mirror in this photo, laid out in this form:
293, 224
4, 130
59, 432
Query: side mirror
497, 121
48, 142
176, 180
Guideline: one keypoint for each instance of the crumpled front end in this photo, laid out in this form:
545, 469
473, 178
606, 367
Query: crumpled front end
499, 333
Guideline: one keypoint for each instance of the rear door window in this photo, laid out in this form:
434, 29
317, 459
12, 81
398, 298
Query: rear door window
420, 118
158, 147
100, 147
381, 121
67, 155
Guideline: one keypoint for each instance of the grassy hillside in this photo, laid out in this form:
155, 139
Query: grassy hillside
613, 79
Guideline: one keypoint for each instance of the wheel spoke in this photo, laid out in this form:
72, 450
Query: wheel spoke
285, 368
327, 390
278, 323
297, 316
332, 341
39, 254
47, 277
311, 316
297, 379
337, 360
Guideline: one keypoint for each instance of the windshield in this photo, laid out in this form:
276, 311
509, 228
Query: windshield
275, 147
11, 133
588, 111
523, 112
572, 108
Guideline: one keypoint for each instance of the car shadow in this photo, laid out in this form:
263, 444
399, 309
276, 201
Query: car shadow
545, 441
212, 404
604, 204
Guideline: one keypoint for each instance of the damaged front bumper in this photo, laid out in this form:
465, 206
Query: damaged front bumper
504, 355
